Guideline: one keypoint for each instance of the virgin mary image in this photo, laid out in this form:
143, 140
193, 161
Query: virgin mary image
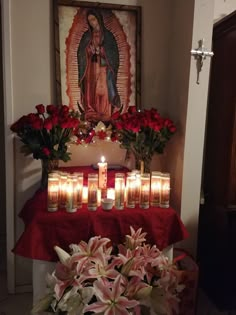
98, 64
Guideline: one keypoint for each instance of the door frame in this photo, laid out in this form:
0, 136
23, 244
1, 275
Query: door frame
9, 151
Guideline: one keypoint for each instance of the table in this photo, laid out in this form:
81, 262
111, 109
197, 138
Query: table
44, 230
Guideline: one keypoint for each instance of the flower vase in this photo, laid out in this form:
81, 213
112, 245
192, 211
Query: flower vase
47, 167
144, 165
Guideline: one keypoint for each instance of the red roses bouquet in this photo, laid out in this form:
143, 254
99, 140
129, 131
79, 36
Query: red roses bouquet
143, 133
45, 134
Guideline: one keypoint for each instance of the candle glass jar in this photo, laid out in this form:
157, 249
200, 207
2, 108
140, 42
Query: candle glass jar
119, 191
53, 192
137, 188
165, 190
85, 194
79, 189
92, 191
130, 187
71, 194
102, 171
155, 198
144, 191
63, 189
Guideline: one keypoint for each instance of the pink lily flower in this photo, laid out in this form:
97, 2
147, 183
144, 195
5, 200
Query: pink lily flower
137, 289
135, 239
104, 270
111, 301
95, 250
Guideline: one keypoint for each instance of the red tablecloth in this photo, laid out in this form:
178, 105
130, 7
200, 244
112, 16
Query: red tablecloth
44, 230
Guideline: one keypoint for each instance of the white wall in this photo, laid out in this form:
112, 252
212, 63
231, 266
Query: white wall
177, 99
223, 8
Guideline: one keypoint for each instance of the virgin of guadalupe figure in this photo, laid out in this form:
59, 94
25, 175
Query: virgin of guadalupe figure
98, 64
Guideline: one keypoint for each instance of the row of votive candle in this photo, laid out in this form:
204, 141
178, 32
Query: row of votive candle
67, 191
147, 189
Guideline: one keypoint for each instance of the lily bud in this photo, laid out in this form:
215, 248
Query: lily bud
143, 293
125, 270
63, 255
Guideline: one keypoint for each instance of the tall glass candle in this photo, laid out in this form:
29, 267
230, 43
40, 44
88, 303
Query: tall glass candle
79, 189
119, 191
155, 198
144, 191
102, 174
71, 194
165, 190
63, 189
53, 192
130, 190
85, 194
137, 188
92, 191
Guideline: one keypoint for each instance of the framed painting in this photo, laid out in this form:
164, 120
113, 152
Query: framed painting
97, 47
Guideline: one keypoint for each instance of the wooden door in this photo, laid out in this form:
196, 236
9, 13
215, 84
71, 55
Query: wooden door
220, 150
217, 220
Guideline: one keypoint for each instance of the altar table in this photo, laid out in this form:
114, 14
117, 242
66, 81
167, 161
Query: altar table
44, 230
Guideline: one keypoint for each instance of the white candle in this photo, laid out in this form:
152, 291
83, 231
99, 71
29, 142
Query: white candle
79, 189
53, 190
155, 189
165, 190
145, 191
85, 194
130, 190
99, 196
71, 198
92, 191
102, 173
62, 189
119, 190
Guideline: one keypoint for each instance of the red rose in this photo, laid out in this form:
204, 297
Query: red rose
37, 124
19, 124
65, 123
64, 109
32, 118
52, 109
124, 116
115, 116
54, 119
132, 109
75, 122
46, 151
119, 125
40, 108
48, 124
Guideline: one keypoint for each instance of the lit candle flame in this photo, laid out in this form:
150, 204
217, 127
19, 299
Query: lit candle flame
103, 159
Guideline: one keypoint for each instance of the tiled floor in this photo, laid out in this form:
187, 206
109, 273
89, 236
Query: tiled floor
20, 304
